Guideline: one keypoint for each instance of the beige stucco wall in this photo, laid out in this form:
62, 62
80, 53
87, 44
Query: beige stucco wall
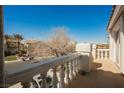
114, 50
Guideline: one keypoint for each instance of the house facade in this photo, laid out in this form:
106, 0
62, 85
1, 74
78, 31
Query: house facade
10, 46
116, 36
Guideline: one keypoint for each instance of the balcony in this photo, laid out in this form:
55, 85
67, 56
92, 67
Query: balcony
65, 72
69, 71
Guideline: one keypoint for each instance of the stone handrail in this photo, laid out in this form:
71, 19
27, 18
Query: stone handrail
24, 73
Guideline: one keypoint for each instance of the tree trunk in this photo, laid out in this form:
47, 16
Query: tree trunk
2, 78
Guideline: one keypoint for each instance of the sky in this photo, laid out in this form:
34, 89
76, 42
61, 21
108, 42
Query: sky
84, 23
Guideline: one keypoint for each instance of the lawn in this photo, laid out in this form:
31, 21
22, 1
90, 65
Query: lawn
10, 58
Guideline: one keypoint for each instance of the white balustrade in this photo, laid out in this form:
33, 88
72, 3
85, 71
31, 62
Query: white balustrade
102, 54
69, 66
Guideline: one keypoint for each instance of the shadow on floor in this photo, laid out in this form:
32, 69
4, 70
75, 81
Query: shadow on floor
96, 65
98, 78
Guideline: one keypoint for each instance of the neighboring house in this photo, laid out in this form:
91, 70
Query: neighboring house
116, 35
11, 46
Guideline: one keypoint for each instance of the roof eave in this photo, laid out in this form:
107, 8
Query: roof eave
116, 12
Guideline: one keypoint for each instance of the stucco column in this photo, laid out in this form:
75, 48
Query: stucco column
122, 44
110, 47
2, 78
114, 46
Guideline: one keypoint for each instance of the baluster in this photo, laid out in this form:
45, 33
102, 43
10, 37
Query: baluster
54, 79
67, 79
71, 70
101, 54
25, 84
74, 66
62, 75
98, 54
77, 65
44, 83
106, 55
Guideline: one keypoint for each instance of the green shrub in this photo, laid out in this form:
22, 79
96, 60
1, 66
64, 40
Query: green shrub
10, 58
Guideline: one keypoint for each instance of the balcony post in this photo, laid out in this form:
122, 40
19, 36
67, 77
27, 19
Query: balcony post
77, 65
67, 78
98, 54
106, 54
2, 76
54, 79
74, 66
71, 70
44, 83
101, 54
62, 76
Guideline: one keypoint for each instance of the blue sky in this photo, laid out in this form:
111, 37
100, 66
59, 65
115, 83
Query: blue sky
84, 23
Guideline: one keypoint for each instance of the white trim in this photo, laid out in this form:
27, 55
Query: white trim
117, 12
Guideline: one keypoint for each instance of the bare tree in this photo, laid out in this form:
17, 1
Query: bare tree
38, 49
60, 43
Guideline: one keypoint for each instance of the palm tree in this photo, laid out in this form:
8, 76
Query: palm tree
2, 76
18, 37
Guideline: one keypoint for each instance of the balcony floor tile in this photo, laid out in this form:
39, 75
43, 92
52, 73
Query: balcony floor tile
104, 74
